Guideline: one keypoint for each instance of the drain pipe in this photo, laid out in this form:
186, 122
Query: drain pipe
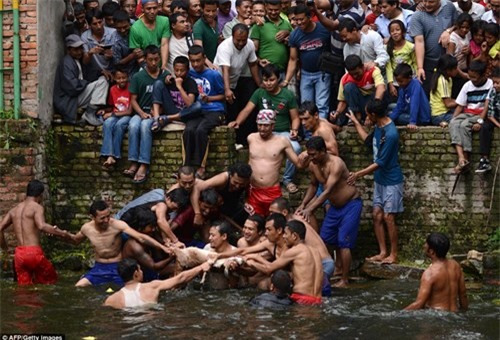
17, 66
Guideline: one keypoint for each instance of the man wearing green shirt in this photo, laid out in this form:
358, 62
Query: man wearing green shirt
206, 30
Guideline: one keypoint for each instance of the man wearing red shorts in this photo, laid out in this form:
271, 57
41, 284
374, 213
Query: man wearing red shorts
28, 220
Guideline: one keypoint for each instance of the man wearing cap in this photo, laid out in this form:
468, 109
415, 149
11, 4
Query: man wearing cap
151, 29
71, 90
266, 153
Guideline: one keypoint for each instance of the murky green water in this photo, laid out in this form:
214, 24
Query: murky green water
369, 310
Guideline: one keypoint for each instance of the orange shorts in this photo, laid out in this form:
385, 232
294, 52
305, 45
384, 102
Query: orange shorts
261, 198
303, 299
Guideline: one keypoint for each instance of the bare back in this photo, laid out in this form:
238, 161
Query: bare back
306, 269
313, 240
265, 158
447, 278
335, 173
27, 219
106, 243
326, 132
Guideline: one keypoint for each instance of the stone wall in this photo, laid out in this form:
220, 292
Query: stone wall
427, 160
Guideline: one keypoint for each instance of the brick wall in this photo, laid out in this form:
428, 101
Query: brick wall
28, 34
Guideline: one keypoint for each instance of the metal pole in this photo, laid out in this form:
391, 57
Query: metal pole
1, 58
17, 66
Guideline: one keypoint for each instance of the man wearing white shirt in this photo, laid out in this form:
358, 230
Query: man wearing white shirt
180, 40
470, 7
494, 14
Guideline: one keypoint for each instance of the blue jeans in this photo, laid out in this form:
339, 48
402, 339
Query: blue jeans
289, 167
445, 117
140, 139
315, 86
113, 130
355, 100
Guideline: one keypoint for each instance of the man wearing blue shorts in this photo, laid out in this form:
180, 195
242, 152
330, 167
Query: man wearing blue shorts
388, 189
341, 223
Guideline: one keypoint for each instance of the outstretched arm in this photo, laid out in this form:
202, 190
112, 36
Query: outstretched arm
183, 277
267, 267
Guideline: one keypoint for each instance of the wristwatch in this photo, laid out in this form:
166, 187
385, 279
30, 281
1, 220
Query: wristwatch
480, 121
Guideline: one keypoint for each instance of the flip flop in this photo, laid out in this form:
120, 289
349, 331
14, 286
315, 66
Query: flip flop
159, 123
142, 178
129, 173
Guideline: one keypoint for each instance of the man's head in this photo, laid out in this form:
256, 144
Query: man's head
108, 10
281, 283
152, 55
290, 13
194, 9
95, 19
403, 74
316, 149
35, 189
389, 8
165, 8
177, 199
219, 234
270, 78
79, 15
90, 4
210, 8
100, 213
244, 8
376, 109
122, 23
280, 206
253, 228
150, 9
239, 176
265, 123
197, 58
129, 6
476, 72
141, 219
375, 7
309, 115
303, 17
240, 36
181, 67
179, 24
258, 9
179, 6
349, 32
186, 177
437, 243
275, 226
354, 66
273, 9
209, 202
74, 46
295, 232
431, 6
495, 7
225, 7
129, 270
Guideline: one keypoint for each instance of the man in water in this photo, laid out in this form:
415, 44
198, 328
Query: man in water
28, 220
442, 284
135, 293
304, 262
279, 295
104, 233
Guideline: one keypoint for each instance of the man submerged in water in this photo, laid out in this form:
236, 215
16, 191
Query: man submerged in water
442, 284
280, 290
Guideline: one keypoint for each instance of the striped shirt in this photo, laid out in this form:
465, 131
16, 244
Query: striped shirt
473, 98
355, 12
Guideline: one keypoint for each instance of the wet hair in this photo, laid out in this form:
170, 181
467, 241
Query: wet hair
390, 2
183, 60
478, 67
121, 15
96, 206
35, 188
495, 73
352, 62
185, 170
378, 107
240, 28
492, 29
464, 17
440, 243
390, 43
446, 63
174, 17
269, 70
243, 170
179, 4
93, 13
209, 196
477, 26
316, 143
209, 2
282, 203
223, 227
279, 221
179, 196
403, 70
282, 281
259, 219
151, 49
348, 24
127, 268
303, 9
196, 49
109, 8
140, 217
298, 227
308, 106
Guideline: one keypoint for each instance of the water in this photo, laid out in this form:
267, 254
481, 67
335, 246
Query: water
368, 310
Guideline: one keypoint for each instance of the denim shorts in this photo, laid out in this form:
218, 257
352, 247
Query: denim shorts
388, 197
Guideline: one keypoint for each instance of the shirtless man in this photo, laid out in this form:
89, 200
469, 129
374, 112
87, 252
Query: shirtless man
309, 117
231, 185
136, 294
304, 261
266, 153
341, 223
313, 240
442, 284
28, 220
104, 233
253, 231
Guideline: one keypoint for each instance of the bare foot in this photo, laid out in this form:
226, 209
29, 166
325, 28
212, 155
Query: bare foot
110, 161
376, 258
390, 259
341, 284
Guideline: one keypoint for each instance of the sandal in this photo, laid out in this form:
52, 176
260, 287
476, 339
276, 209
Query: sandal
159, 123
462, 166
129, 172
109, 165
141, 178
291, 188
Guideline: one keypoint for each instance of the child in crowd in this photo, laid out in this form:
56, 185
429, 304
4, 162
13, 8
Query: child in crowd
470, 113
442, 102
477, 38
176, 97
459, 48
116, 117
492, 120
400, 51
412, 108
490, 49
